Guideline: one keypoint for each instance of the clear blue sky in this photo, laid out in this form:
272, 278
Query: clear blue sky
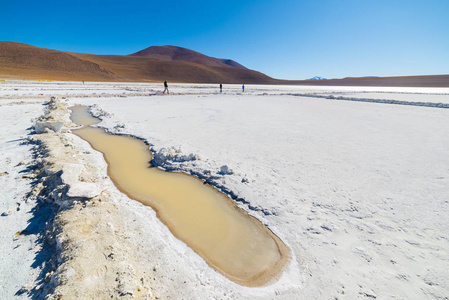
291, 39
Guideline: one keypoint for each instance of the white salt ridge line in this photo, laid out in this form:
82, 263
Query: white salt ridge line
385, 101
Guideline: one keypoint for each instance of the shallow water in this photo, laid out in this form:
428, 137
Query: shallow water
81, 116
230, 240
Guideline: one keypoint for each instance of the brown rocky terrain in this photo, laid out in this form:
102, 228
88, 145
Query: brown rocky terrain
23, 61
159, 63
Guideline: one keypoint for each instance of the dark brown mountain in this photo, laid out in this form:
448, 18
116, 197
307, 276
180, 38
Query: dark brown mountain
155, 64
183, 54
29, 62
177, 65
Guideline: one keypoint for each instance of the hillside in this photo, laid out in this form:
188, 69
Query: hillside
159, 63
183, 54
28, 62
136, 68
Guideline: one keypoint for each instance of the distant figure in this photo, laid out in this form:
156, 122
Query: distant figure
166, 87
221, 88
83, 81
243, 88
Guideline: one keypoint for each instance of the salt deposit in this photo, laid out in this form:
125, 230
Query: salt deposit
357, 190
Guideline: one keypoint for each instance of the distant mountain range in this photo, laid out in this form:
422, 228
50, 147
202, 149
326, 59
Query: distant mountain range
159, 63
317, 78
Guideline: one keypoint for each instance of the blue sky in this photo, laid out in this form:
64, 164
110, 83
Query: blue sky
294, 39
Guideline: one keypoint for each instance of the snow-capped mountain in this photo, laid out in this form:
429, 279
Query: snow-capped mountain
317, 78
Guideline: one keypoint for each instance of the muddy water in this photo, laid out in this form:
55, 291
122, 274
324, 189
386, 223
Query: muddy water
81, 116
230, 240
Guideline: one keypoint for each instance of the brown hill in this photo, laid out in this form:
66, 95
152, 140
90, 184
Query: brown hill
137, 68
183, 54
29, 62
170, 63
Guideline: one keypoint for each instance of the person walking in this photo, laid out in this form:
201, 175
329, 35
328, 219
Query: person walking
221, 88
243, 88
166, 87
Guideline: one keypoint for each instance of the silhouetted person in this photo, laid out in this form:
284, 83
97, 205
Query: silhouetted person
166, 87
221, 88
243, 88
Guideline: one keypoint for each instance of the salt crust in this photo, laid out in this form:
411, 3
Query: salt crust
111, 246
361, 248
70, 177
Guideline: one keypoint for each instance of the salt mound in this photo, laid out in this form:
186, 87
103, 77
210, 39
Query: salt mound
77, 188
56, 126
225, 170
173, 155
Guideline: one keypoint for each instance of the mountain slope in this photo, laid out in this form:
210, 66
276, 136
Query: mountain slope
29, 62
25, 61
231, 63
175, 64
187, 55
136, 68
